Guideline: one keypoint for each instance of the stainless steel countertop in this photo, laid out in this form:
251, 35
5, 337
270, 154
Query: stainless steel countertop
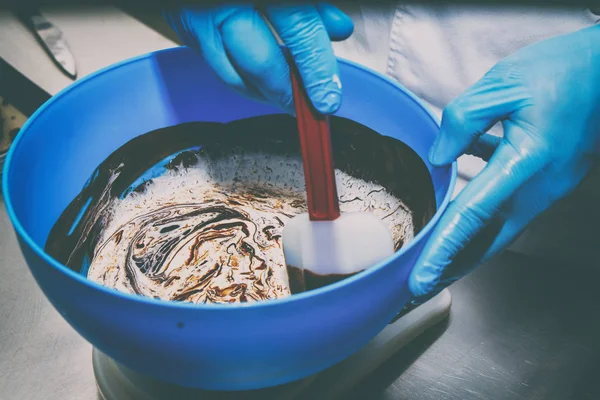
518, 329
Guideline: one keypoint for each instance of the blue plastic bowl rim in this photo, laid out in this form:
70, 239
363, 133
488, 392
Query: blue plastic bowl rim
224, 307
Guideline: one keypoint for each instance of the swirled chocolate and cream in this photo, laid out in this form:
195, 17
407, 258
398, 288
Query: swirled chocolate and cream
194, 212
212, 232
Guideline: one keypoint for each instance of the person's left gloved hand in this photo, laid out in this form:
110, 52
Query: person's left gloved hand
239, 46
547, 96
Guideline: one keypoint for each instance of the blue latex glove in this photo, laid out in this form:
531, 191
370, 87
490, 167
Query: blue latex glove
239, 46
547, 96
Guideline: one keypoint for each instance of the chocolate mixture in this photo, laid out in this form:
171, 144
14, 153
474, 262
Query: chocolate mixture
194, 212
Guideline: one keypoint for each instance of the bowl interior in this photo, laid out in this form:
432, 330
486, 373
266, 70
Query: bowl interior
237, 183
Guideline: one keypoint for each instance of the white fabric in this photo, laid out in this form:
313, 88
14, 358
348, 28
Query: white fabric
438, 51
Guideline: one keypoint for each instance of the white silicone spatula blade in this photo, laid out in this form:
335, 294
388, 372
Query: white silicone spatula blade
318, 253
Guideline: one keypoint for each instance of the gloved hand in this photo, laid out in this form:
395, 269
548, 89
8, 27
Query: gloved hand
239, 46
547, 97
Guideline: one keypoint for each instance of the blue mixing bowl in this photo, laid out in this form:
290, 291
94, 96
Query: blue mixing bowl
216, 347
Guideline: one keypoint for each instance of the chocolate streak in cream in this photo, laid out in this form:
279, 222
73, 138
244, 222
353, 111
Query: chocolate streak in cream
195, 212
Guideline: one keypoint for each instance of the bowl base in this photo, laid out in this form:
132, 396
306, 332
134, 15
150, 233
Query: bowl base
116, 382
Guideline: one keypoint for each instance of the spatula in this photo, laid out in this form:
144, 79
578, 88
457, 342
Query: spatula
324, 246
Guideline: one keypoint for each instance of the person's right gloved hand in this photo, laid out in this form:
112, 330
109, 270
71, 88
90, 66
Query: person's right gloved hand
239, 46
547, 97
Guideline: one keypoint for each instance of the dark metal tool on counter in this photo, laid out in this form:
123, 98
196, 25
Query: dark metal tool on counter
50, 37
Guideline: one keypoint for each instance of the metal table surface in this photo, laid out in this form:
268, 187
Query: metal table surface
518, 329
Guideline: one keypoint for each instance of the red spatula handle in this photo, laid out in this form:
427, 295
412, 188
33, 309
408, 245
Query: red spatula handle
317, 155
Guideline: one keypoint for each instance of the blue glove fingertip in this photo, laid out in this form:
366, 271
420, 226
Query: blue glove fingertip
438, 154
326, 97
328, 104
422, 282
432, 156
338, 24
